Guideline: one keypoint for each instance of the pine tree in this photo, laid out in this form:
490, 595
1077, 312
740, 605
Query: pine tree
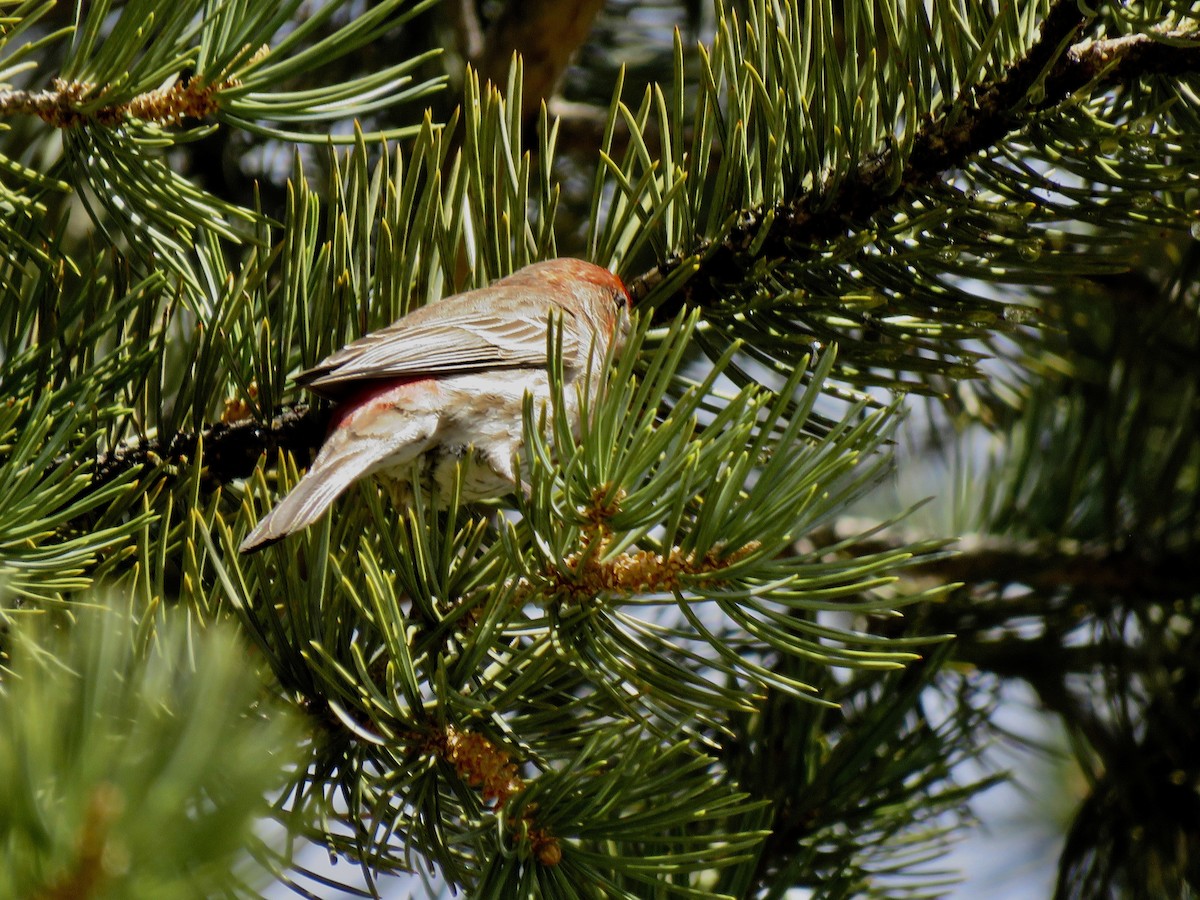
704, 653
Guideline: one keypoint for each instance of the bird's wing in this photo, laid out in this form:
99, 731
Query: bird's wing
498, 327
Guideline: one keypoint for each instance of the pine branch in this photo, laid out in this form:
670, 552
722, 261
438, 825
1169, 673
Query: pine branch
66, 104
1096, 571
991, 113
231, 449
1054, 574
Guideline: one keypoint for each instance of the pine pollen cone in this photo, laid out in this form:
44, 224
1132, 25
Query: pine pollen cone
639, 572
479, 763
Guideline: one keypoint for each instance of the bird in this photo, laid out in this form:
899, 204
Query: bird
445, 385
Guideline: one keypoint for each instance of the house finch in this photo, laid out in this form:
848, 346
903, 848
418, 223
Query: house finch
447, 383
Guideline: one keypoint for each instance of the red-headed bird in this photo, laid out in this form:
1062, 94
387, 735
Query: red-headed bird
447, 383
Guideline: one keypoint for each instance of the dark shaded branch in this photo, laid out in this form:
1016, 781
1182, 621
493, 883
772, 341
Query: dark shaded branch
1047, 570
1006, 582
987, 115
1043, 567
231, 450
1063, 586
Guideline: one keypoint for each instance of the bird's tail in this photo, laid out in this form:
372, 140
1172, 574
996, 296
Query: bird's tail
304, 504
341, 462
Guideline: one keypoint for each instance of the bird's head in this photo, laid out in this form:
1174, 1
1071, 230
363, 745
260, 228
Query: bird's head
587, 291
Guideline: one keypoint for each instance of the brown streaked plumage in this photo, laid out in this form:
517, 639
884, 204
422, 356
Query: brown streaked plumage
447, 382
